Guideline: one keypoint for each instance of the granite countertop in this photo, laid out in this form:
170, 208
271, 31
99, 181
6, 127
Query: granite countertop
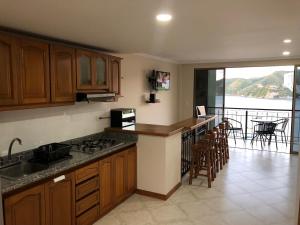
78, 158
165, 131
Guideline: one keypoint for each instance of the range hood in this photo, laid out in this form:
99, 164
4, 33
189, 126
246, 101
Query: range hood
100, 97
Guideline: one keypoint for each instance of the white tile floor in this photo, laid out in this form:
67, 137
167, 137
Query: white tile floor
255, 188
240, 143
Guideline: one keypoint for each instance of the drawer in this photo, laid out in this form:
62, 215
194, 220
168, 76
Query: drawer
87, 187
87, 202
89, 217
86, 172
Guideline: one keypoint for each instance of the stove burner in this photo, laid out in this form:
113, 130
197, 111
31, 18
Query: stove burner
92, 145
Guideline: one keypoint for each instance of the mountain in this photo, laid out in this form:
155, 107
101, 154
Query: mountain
271, 86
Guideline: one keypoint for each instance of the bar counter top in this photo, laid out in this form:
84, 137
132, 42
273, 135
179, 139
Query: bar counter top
163, 130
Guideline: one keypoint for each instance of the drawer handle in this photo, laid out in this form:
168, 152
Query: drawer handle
60, 178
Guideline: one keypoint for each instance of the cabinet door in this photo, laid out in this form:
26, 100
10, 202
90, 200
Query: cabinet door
100, 81
60, 201
84, 70
8, 71
34, 71
63, 74
115, 73
120, 176
131, 170
106, 185
26, 208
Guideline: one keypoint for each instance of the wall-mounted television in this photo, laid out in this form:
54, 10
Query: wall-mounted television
160, 80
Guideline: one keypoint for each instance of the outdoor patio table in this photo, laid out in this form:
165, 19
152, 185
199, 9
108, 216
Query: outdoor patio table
262, 122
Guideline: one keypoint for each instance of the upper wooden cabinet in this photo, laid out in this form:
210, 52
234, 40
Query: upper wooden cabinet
26, 208
34, 71
92, 71
115, 74
63, 73
8, 71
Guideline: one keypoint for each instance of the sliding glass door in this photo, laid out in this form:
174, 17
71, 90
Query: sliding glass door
209, 86
295, 142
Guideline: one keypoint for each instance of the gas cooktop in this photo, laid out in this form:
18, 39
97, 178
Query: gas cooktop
92, 145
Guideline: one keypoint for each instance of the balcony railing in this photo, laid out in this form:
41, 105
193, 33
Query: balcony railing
245, 116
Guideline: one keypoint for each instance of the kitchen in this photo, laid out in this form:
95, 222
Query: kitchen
37, 128
40, 126
48, 84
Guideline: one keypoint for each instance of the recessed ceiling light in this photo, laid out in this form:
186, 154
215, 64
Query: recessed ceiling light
286, 53
164, 17
287, 41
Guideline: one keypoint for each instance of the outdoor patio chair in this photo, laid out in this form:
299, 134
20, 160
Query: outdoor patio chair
234, 127
264, 131
281, 127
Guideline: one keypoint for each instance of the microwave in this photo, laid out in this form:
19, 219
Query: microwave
122, 117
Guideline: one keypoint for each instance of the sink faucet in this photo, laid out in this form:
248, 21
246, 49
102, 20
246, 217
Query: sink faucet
11, 145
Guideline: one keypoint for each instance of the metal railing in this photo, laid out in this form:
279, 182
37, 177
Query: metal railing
246, 117
189, 138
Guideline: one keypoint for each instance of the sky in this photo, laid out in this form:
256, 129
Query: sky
255, 72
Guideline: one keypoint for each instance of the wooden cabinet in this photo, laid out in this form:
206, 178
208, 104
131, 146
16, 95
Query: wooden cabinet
26, 208
86, 172
115, 74
117, 178
34, 71
80, 197
87, 187
8, 71
131, 169
60, 200
120, 175
63, 74
87, 194
86, 203
92, 71
101, 72
106, 184
89, 217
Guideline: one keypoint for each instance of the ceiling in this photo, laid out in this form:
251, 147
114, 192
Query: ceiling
201, 30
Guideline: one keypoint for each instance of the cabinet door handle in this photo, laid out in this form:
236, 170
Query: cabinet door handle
60, 178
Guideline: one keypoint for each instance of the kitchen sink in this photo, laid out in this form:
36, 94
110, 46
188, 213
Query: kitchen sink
22, 169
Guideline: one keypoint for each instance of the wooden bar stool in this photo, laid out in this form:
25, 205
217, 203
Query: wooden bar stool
212, 137
218, 150
202, 160
224, 141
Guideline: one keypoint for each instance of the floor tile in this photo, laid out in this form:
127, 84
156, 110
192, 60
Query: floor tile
254, 188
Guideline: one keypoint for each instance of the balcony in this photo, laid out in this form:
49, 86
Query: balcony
246, 119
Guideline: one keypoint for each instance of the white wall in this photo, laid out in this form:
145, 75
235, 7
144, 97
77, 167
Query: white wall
45, 125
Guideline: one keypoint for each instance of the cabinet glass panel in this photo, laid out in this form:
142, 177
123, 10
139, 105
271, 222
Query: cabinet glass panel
85, 71
100, 71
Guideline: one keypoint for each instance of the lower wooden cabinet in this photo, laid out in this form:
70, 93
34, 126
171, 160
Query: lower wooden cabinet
76, 198
60, 200
117, 178
89, 217
120, 176
106, 184
26, 208
131, 170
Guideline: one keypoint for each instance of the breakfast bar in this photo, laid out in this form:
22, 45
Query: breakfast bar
159, 156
